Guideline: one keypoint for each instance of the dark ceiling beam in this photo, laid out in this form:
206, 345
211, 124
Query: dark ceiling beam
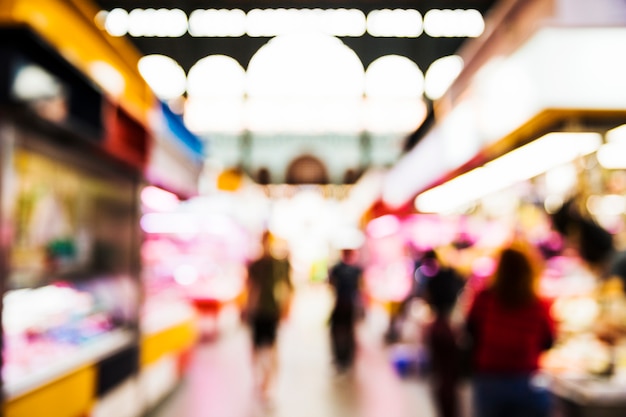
187, 50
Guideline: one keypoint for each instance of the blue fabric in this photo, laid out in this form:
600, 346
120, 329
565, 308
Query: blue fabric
510, 396
176, 126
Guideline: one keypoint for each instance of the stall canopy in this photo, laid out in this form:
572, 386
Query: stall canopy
177, 155
536, 70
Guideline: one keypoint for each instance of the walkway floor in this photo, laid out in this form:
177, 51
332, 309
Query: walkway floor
220, 383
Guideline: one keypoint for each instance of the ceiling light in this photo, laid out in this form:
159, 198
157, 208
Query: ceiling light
218, 23
394, 23
166, 78
441, 74
274, 22
216, 76
394, 76
116, 22
617, 134
537, 157
161, 22
453, 23
612, 155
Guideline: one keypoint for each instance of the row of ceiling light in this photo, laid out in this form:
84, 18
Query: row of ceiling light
547, 153
406, 23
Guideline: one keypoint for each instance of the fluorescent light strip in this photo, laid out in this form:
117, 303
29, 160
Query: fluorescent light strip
273, 22
453, 23
549, 151
394, 23
612, 155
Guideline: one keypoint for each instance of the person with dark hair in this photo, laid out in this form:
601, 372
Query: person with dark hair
345, 279
594, 244
596, 247
441, 288
268, 276
510, 326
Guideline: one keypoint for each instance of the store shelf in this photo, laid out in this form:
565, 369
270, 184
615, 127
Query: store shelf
589, 390
86, 355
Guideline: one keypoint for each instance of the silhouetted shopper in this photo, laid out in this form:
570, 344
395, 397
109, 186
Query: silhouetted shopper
267, 277
510, 327
442, 286
345, 279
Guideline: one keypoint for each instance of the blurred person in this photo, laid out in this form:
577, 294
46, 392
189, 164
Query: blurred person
596, 247
269, 293
510, 326
345, 278
399, 309
441, 288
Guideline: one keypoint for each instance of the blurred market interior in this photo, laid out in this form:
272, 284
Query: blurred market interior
145, 145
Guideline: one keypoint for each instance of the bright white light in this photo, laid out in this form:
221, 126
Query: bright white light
220, 114
453, 23
140, 22
117, 22
394, 76
553, 203
303, 114
276, 22
394, 23
383, 226
166, 78
617, 134
561, 179
218, 23
108, 77
305, 65
403, 181
441, 74
473, 23
496, 83
216, 76
455, 193
612, 155
607, 205
400, 115
547, 152
160, 23
186, 274
169, 223
188, 224
158, 199
344, 22
33, 82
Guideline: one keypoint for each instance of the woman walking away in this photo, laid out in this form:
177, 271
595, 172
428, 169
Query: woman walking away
510, 327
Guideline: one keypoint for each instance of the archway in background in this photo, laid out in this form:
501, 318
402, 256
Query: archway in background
306, 169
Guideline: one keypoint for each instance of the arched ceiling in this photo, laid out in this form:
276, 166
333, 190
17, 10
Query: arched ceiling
409, 55
187, 50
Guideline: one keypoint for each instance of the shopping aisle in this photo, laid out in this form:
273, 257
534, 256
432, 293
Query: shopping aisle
219, 382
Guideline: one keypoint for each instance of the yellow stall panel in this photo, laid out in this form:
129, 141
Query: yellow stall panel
71, 396
171, 340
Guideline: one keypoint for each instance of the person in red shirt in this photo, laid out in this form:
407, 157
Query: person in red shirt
510, 327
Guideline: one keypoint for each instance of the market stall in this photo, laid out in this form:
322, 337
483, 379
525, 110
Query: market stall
526, 126
71, 295
76, 150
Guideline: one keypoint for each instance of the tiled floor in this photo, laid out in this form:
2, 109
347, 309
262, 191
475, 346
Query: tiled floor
220, 383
